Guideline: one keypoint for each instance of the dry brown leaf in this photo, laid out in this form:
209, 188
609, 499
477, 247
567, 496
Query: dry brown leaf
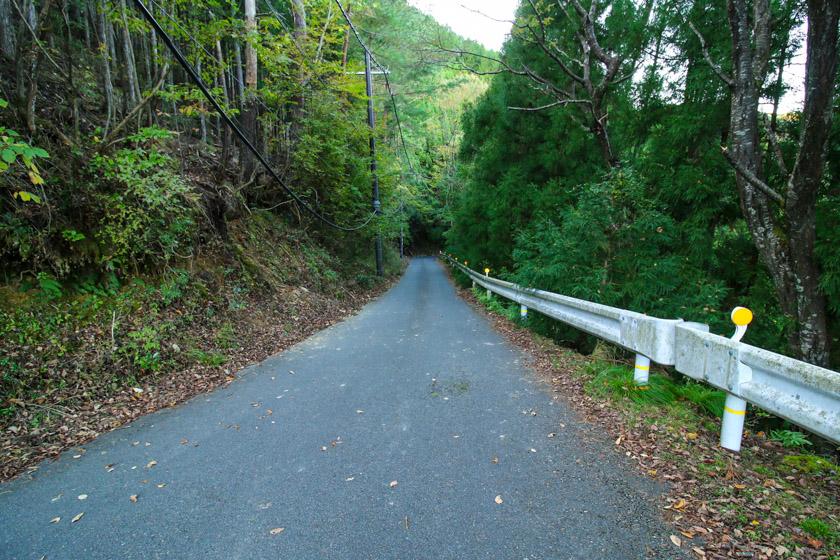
133, 498
277, 530
77, 517
680, 504
151, 464
495, 460
393, 484
55, 520
699, 552
676, 540
499, 499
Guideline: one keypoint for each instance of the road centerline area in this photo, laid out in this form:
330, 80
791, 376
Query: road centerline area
411, 430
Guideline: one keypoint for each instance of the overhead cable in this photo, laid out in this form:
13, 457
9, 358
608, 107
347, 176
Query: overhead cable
233, 126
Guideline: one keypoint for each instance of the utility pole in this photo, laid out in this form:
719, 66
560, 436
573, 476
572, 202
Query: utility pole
377, 207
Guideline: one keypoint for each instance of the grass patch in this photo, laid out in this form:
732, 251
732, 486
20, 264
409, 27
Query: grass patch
212, 359
616, 381
811, 464
819, 529
226, 336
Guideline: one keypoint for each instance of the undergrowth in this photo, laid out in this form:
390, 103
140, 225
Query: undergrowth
101, 333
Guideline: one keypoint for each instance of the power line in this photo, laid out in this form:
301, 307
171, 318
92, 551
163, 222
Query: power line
387, 81
230, 123
198, 44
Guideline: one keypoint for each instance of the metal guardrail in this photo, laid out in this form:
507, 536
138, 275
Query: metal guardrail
804, 394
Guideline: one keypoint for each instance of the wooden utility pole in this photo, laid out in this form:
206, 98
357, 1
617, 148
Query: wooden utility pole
372, 124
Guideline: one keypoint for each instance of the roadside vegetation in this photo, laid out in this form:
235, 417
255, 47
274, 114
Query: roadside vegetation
608, 160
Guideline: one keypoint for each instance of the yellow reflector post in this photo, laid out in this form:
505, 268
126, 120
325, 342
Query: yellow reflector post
742, 316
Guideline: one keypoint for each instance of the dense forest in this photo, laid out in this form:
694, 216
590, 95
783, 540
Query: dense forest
635, 154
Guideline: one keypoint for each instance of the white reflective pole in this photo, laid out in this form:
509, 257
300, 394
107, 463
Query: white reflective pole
641, 370
735, 408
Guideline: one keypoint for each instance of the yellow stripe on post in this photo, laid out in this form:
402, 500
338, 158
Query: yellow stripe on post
733, 411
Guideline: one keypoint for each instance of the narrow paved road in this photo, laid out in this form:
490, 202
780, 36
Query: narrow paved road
416, 389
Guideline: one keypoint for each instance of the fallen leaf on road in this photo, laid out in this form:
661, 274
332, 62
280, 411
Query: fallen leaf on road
323, 448
676, 540
393, 484
499, 499
533, 450
55, 520
277, 530
77, 517
83, 496
349, 478
360, 411
57, 498
133, 498
552, 434
161, 485
184, 441
151, 464
680, 504
699, 552
495, 460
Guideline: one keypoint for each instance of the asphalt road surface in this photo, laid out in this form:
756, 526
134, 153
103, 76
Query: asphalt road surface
392, 435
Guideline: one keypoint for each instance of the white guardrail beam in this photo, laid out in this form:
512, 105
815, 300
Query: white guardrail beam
804, 394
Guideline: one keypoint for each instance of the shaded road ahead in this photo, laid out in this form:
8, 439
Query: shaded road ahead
416, 389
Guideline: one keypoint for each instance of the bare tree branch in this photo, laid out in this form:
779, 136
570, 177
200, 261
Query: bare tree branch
550, 105
717, 70
752, 178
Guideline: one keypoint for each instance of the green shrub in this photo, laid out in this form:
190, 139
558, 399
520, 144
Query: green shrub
147, 208
790, 438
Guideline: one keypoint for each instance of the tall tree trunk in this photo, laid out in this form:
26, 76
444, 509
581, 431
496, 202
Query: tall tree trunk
133, 85
105, 51
249, 113
820, 78
240, 76
68, 55
299, 36
346, 40
225, 132
202, 117
7, 30
785, 244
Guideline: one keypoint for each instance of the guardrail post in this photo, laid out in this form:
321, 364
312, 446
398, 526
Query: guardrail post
735, 408
641, 371
487, 275
523, 312
732, 428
